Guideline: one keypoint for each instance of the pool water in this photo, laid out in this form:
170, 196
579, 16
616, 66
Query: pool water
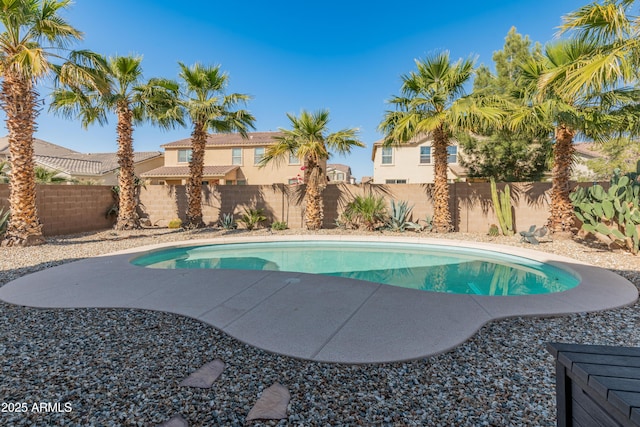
418, 266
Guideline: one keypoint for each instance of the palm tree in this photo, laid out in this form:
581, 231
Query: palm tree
33, 34
133, 101
309, 141
46, 176
4, 172
565, 115
433, 102
614, 33
204, 101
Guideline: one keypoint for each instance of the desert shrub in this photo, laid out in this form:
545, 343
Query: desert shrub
279, 225
368, 212
175, 223
252, 218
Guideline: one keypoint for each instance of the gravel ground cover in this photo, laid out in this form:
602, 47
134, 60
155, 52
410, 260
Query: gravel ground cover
101, 367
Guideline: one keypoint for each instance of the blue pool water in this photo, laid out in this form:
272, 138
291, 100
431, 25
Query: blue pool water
418, 266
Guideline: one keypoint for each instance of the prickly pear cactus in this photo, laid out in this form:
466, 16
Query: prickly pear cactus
612, 215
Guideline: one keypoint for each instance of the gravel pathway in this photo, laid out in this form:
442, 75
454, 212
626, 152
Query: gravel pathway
99, 367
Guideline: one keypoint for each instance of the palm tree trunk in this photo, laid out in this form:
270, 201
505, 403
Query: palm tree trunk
127, 214
441, 213
561, 218
314, 210
18, 100
194, 184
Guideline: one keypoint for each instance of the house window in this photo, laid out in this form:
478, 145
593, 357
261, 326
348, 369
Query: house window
395, 181
340, 176
241, 182
425, 155
184, 156
293, 181
387, 155
258, 154
236, 156
293, 159
452, 152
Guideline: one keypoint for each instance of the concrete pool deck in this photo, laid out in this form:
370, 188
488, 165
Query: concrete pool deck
313, 317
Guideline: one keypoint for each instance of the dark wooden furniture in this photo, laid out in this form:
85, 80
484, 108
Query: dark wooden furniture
597, 385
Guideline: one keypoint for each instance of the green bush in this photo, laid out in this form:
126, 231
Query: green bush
175, 223
279, 225
368, 212
252, 218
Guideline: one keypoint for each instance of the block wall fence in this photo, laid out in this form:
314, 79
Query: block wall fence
67, 209
471, 205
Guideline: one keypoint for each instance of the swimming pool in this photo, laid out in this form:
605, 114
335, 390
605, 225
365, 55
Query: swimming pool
435, 268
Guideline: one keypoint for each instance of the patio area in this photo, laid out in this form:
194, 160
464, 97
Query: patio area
312, 317
112, 363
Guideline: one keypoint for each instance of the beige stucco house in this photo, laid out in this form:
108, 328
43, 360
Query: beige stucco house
229, 159
411, 163
84, 168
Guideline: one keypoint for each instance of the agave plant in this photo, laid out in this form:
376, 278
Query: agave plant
227, 222
399, 217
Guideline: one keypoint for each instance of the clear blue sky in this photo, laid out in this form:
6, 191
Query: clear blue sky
345, 56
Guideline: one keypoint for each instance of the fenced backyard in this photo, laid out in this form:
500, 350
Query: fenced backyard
66, 209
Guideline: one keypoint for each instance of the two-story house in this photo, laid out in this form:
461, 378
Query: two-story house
229, 159
412, 163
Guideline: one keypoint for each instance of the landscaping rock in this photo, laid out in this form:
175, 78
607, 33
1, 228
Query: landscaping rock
272, 405
205, 376
175, 421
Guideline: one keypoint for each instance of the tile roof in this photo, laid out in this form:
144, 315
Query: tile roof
70, 166
339, 167
588, 149
183, 171
41, 148
90, 164
73, 162
230, 139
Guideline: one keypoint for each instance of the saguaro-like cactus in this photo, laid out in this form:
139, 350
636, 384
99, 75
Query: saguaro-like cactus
502, 207
612, 216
